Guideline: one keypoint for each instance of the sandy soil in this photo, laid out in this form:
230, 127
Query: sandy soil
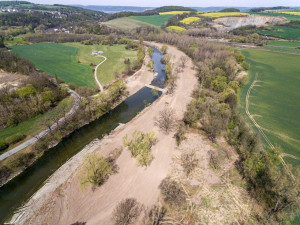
61, 201
11, 80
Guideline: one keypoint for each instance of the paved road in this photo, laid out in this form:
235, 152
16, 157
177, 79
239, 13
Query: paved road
76, 105
95, 73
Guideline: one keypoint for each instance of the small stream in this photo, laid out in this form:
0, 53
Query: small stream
16, 192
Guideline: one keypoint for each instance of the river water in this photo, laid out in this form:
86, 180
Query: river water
16, 192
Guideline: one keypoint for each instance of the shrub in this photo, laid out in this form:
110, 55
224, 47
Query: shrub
140, 146
179, 135
246, 66
127, 212
15, 138
189, 161
94, 170
172, 193
164, 49
3, 145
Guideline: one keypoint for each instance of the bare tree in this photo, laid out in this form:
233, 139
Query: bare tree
166, 120
127, 212
183, 61
189, 161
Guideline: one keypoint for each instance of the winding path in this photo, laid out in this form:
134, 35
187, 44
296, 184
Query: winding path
20, 147
95, 73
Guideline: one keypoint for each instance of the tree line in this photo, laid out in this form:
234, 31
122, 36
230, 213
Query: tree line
214, 110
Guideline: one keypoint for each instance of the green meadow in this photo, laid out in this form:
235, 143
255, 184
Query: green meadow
156, 20
275, 99
281, 32
58, 59
288, 46
115, 54
74, 63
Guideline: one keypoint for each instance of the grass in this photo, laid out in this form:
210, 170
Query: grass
189, 20
282, 32
173, 12
176, 29
115, 59
288, 46
155, 20
223, 14
287, 16
35, 125
126, 23
274, 102
58, 59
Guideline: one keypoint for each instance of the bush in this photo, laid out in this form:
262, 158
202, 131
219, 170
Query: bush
164, 49
15, 138
140, 146
3, 145
172, 193
94, 170
246, 66
127, 212
189, 161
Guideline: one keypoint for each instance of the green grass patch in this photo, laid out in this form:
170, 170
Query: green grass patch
58, 59
35, 125
156, 20
274, 102
115, 54
281, 32
287, 16
284, 43
126, 23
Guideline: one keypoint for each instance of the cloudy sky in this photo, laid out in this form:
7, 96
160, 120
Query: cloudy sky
154, 3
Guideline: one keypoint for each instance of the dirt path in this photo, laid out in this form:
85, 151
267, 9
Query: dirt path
65, 203
95, 73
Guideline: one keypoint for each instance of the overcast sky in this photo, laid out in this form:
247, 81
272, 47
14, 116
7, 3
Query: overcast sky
154, 3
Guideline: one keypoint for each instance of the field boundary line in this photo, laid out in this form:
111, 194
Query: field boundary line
259, 127
95, 73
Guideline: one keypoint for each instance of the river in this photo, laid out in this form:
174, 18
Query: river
16, 192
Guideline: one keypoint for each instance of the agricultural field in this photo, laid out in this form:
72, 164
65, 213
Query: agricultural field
274, 100
115, 59
176, 29
126, 23
35, 125
173, 12
281, 32
155, 20
58, 59
223, 14
189, 20
289, 46
287, 16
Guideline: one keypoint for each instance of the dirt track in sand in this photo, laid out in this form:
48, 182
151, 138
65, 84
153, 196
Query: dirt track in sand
67, 204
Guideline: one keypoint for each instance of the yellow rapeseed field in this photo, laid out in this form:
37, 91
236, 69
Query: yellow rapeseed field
176, 29
173, 12
290, 13
189, 20
223, 14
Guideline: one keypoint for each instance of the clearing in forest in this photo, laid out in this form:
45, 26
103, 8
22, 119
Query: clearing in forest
274, 98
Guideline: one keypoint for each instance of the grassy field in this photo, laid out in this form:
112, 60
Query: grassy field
115, 59
58, 59
126, 23
288, 46
33, 126
287, 16
223, 14
155, 20
274, 101
282, 32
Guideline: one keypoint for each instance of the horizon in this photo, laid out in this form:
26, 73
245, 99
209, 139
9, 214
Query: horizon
157, 3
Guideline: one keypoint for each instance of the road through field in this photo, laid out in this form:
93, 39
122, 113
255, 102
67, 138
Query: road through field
29, 142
